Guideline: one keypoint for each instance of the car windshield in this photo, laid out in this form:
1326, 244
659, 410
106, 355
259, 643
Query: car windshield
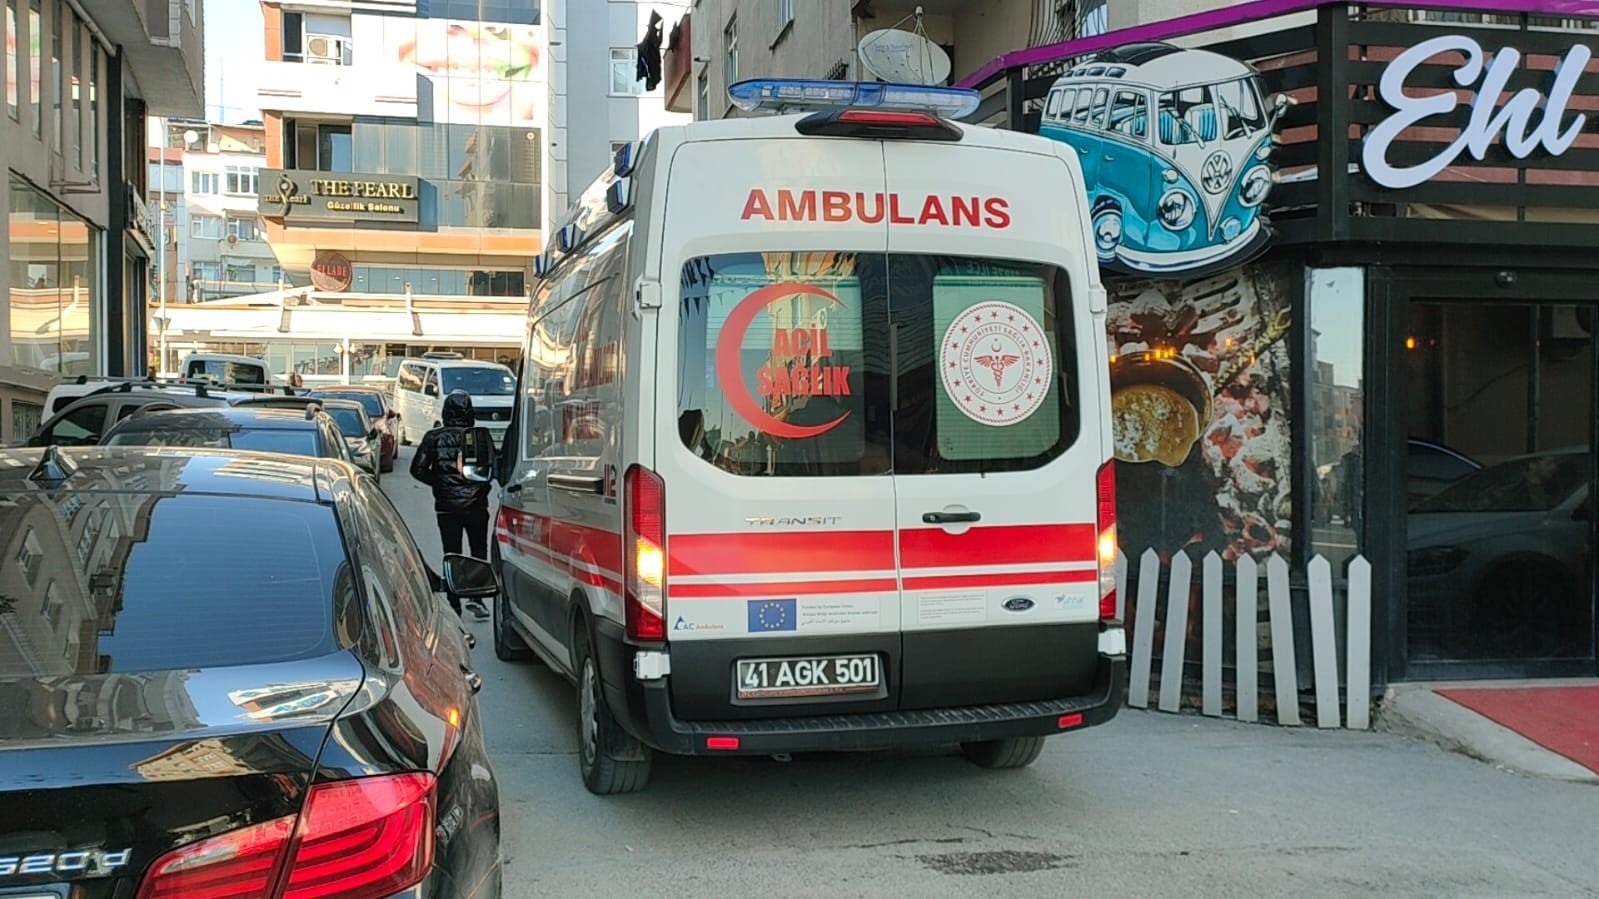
350, 424
1529, 484
485, 381
149, 582
369, 401
1205, 113
297, 442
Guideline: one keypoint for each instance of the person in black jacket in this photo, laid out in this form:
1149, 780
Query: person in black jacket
459, 503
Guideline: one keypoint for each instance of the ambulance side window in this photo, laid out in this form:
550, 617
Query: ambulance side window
536, 357
595, 357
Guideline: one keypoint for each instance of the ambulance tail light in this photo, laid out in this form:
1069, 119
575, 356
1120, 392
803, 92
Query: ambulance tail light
644, 551
878, 124
1105, 543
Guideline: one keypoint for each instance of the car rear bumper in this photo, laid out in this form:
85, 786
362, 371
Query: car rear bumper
649, 715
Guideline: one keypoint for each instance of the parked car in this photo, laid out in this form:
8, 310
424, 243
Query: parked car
297, 432
82, 421
1495, 559
226, 669
1430, 467
360, 435
380, 408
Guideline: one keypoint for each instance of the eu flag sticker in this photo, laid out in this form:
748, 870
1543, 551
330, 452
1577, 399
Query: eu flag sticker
772, 615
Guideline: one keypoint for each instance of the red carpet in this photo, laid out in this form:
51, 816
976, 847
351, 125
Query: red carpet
1560, 719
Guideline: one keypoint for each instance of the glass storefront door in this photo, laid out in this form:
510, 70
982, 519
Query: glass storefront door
1499, 464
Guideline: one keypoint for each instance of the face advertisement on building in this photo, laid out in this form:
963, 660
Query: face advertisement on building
474, 73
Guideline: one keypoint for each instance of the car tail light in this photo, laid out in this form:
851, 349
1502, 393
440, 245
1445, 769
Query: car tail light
644, 552
1105, 543
357, 839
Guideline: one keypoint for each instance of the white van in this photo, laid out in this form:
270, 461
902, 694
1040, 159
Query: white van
244, 372
420, 386
812, 445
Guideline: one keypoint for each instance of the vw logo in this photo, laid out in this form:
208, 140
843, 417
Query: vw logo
1217, 173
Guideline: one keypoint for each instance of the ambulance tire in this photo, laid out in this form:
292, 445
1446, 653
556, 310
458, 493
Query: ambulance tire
997, 755
611, 760
508, 644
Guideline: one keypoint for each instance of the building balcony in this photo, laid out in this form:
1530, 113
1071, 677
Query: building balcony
165, 46
309, 88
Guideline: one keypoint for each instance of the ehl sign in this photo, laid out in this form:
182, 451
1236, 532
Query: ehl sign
1527, 121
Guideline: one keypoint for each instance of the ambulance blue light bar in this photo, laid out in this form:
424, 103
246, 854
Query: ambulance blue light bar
817, 95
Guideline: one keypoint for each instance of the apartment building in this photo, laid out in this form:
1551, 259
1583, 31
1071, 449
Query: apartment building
597, 102
737, 39
74, 269
404, 145
206, 175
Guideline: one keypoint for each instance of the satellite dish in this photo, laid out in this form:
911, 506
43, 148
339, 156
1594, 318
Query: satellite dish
904, 57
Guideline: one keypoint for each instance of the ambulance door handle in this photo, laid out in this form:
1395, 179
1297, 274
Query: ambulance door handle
577, 483
950, 517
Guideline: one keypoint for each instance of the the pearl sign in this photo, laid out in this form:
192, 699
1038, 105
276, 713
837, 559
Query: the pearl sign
1529, 120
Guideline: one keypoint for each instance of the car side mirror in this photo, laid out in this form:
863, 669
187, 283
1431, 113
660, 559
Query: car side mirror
477, 454
374, 434
466, 576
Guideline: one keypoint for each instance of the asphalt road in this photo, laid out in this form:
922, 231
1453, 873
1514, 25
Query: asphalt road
1148, 805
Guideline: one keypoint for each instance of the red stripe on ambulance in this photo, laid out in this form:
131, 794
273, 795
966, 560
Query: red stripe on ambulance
780, 553
1039, 544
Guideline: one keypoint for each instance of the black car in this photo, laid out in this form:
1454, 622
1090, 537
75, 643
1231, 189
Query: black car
304, 430
180, 718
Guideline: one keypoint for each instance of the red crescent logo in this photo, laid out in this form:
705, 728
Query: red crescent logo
731, 375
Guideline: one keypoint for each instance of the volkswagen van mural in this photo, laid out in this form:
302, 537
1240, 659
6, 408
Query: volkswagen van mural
1175, 146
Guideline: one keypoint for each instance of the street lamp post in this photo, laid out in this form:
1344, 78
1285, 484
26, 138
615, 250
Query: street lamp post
161, 238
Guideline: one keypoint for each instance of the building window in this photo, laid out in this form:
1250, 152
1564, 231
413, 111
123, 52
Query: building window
241, 273
77, 92
206, 227
203, 183
293, 37
244, 228
56, 86
334, 149
34, 38
206, 271
785, 14
275, 275
29, 556
624, 72
55, 285
730, 52
241, 180
94, 109
702, 101
11, 57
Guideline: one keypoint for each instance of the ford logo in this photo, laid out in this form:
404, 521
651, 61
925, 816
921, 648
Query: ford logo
1018, 604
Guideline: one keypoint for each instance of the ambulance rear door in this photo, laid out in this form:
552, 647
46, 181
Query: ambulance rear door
997, 424
773, 436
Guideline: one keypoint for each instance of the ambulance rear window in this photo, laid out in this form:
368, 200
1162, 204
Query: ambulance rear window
838, 364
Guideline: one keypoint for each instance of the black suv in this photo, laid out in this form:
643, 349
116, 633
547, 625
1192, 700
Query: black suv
300, 430
183, 718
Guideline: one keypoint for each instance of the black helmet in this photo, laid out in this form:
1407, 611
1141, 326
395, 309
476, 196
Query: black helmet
458, 410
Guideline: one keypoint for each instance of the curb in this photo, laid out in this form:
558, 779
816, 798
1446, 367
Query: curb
1420, 714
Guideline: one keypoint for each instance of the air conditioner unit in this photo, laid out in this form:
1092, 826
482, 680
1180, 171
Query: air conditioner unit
326, 49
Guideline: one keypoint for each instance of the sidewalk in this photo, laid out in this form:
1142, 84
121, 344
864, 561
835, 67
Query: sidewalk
1543, 728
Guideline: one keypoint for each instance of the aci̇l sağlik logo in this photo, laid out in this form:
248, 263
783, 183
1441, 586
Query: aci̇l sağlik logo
1175, 147
800, 364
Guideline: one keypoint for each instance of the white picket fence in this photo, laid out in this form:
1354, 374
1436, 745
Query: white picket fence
1245, 600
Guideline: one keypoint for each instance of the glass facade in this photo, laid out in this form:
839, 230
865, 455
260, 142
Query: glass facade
436, 282
1335, 301
477, 176
55, 284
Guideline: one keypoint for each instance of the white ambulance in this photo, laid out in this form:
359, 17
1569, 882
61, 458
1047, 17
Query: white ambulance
811, 445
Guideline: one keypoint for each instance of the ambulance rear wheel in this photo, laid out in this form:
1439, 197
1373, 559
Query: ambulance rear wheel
611, 760
1013, 752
